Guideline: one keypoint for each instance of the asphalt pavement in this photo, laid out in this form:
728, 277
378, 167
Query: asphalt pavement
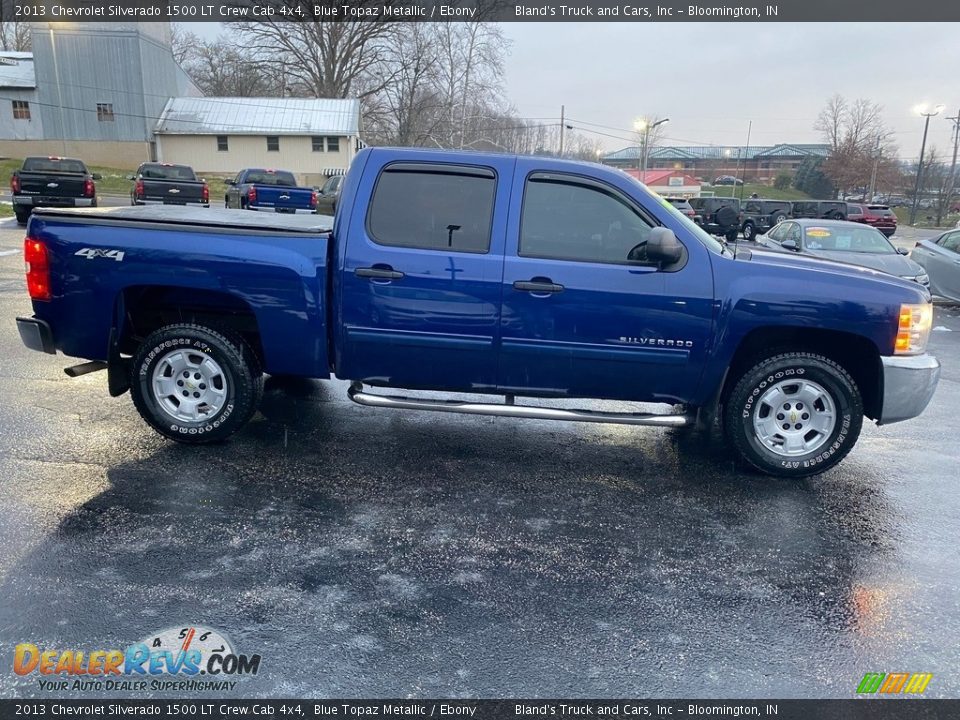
374, 553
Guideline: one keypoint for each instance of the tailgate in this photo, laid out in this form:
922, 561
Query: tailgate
173, 192
284, 198
51, 185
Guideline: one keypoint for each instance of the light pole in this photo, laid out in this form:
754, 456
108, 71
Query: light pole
642, 125
922, 110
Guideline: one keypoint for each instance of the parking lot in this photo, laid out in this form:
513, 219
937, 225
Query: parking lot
376, 554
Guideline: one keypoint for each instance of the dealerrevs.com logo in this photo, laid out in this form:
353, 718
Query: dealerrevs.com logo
169, 660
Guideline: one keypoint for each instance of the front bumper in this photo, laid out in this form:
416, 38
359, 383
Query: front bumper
36, 335
908, 385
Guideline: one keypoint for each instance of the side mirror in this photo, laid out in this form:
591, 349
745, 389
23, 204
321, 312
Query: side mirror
790, 245
96, 176
663, 246
131, 177
902, 251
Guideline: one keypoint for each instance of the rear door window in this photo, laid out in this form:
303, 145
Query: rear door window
433, 207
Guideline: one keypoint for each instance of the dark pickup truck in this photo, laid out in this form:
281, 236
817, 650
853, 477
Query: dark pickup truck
168, 184
273, 191
466, 272
51, 182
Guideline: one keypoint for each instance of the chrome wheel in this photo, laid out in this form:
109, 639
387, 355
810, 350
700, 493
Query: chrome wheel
189, 385
794, 417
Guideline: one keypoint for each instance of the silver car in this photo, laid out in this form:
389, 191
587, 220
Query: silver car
846, 242
940, 257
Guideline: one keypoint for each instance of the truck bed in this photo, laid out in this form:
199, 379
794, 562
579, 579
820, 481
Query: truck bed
197, 217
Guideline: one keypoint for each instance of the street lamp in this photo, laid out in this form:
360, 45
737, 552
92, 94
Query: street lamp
642, 125
923, 111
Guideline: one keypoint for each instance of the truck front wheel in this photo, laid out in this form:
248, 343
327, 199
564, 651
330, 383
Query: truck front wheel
793, 415
194, 384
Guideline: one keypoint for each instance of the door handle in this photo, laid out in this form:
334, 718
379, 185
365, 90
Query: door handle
537, 286
379, 273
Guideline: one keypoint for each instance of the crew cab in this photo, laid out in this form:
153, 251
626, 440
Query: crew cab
51, 182
464, 272
168, 184
269, 191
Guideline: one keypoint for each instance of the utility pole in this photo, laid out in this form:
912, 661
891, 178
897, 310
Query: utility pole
923, 146
745, 160
953, 165
877, 153
562, 125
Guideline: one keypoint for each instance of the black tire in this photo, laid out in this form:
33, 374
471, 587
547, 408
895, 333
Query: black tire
778, 218
731, 235
22, 217
749, 231
837, 215
242, 378
743, 405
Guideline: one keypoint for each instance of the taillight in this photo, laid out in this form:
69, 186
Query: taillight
251, 195
205, 193
38, 269
138, 188
14, 184
313, 199
89, 190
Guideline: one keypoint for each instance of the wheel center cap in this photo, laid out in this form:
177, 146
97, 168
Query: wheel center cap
793, 416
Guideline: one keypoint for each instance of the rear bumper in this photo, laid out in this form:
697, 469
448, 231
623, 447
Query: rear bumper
908, 385
284, 211
36, 335
31, 201
174, 203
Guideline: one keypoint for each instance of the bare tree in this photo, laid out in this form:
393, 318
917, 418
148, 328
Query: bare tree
858, 140
15, 36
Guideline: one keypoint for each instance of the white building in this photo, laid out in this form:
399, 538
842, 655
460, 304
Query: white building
313, 138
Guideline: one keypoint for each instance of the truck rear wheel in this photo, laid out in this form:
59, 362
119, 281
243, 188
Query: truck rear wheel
194, 384
22, 217
793, 415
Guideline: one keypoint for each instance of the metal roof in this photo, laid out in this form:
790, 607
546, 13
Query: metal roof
259, 116
16, 70
721, 152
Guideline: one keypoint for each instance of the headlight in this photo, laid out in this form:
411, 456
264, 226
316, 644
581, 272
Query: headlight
914, 329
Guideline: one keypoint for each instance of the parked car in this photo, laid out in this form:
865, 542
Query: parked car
879, 216
719, 216
329, 195
727, 180
823, 209
940, 258
266, 190
168, 184
684, 206
466, 272
51, 182
758, 215
846, 242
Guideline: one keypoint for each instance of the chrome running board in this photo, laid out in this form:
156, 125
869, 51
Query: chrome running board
508, 409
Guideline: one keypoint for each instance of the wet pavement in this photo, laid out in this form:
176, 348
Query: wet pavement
375, 553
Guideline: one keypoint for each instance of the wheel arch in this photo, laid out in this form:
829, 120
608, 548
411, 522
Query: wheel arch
858, 355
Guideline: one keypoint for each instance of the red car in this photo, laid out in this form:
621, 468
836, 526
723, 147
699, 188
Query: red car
879, 216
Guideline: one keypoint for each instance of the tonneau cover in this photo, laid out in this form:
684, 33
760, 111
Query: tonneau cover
211, 217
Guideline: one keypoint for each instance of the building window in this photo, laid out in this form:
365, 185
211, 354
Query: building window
333, 144
21, 110
105, 112
222, 145
273, 143
317, 143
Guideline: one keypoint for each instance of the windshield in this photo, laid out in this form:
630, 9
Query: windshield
53, 165
847, 239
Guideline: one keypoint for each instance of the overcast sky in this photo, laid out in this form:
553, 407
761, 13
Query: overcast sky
711, 79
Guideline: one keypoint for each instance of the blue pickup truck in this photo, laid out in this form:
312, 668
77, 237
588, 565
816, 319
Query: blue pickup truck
268, 190
518, 277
